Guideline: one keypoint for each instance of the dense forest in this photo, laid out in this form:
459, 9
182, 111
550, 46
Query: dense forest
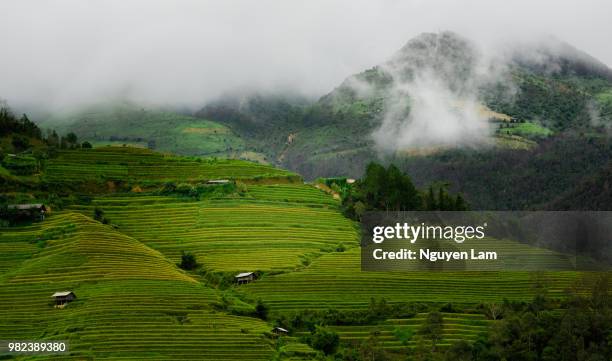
388, 189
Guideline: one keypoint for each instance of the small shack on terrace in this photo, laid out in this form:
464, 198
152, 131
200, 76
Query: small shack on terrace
245, 277
63, 297
280, 331
34, 211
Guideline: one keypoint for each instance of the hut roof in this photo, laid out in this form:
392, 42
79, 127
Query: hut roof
244, 274
27, 206
218, 181
280, 329
62, 293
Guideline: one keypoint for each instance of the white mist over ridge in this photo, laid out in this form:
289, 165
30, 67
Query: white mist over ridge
434, 88
437, 117
433, 100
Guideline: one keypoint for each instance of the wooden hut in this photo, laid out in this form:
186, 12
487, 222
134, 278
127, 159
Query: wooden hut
34, 211
245, 277
280, 331
63, 297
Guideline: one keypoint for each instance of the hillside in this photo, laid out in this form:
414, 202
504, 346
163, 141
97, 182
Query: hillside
163, 130
123, 168
533, 105
133, 300
150, 215
275, 227
129, 297
593, 192
524, 98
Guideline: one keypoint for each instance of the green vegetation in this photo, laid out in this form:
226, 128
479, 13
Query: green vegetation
404, 334
499, 179
145, 166
256, 231
188, 261
324, 340
391, 190
527, 129
151, 242
161, 248
335, 280
166, 131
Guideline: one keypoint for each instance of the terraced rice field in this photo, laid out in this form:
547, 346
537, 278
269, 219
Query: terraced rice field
254, 232
267, 230
335, 280
132, 303
456, 327
137, 164
82, 249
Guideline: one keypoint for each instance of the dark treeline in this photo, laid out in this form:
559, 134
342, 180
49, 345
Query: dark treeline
23, 130
388, 189
9, 123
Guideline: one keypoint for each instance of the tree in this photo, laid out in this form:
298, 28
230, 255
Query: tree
372, 350
493, 310
20, 142
430, 200
98, 214
86, 145
460, 204
325, 340
188, 261
261, 310
404, 334
374, 185
459, 351
53, 139
359, 209
389, 189
71, 138
442, 199
432, 328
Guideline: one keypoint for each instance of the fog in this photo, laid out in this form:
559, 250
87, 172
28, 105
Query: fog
61, 54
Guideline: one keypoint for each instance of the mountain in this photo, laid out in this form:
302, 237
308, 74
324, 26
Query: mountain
441, 97
435, 103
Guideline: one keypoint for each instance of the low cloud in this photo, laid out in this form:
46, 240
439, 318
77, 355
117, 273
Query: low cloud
425, 112
435, 95
64, 53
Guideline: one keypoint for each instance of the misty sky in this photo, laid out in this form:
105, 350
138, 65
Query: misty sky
61, 53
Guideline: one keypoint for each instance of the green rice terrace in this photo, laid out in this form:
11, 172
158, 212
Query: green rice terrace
119, 251
143, 165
